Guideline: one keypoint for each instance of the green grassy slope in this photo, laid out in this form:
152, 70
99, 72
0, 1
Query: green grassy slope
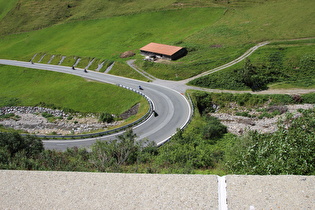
213, 35
27, 15
6, 6
109, 37
270, 21
33, 86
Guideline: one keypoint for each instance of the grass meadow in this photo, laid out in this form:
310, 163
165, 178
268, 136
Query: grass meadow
30, 87
38, 14
122, 69
108, 38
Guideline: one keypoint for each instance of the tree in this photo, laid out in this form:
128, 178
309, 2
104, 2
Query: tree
251, 78
126, 147
247, 72
14, 142
213, 128
106, 117
121, 151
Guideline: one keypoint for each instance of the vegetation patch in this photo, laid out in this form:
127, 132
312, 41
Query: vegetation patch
9, 116
203, 147
289, 150
277, 66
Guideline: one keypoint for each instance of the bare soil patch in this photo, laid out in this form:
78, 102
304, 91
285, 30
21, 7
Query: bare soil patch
127, 54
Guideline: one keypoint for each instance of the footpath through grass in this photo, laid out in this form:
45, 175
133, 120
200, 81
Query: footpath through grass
28, 87
288, 64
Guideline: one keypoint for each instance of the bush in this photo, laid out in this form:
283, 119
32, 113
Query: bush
47, 115
125, 150
7, 116
290, 150
14, 142
106, 117
265, 114
281, 99
309, 98
222, 80
213, 128
243, 114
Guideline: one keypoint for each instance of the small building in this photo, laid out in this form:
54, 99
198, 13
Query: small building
163, 51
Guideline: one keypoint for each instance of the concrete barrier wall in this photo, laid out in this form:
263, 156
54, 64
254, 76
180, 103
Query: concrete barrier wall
80, 190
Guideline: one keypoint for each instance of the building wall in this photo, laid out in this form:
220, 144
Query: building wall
175, 56
179, 54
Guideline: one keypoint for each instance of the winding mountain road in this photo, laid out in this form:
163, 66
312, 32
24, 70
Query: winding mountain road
172, 107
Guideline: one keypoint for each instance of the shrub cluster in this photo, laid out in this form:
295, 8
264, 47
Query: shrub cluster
290, 150
106, 117
209, 102
27, 152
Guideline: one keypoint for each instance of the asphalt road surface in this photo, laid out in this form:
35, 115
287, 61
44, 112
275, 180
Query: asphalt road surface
172, 107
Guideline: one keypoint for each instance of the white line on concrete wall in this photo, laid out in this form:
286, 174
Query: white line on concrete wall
222, 193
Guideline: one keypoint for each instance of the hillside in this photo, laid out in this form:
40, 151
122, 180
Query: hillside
27, 15
214, 32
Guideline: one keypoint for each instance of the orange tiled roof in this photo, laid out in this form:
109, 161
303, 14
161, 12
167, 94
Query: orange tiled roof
161, 49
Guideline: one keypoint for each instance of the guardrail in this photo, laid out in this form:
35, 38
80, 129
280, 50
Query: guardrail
104, 133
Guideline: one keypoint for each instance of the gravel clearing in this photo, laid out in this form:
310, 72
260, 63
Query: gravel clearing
32, 121
238, 124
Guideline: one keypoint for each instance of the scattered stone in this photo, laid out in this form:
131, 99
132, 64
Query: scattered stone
32, 121
238, 124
